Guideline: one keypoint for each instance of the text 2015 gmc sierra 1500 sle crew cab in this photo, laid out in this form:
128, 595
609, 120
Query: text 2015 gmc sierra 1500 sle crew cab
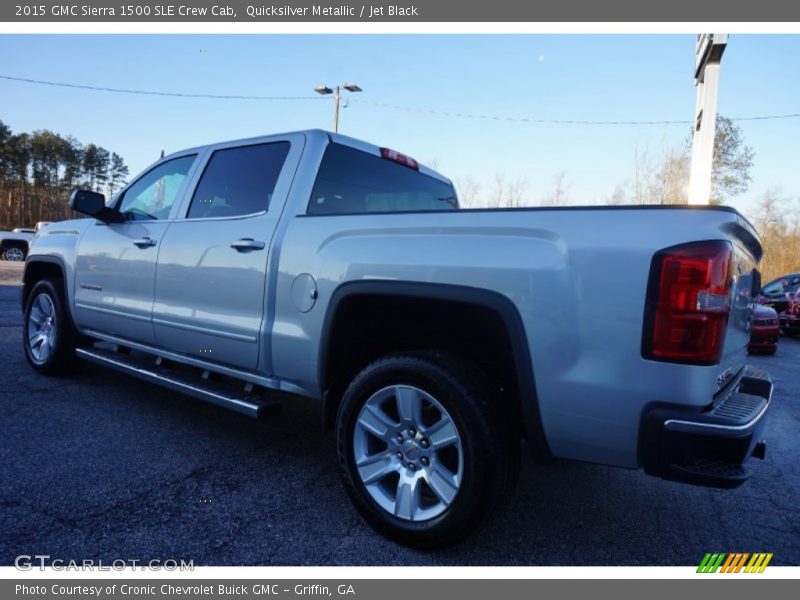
436, 339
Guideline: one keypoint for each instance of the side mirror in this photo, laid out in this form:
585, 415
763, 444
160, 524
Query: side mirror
93, 204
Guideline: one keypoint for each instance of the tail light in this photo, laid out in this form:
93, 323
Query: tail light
688, 302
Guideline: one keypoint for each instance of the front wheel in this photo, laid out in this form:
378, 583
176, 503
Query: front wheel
425, 448
48, 335
14, 253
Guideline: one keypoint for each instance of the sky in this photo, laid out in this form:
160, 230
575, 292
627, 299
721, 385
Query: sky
558, 77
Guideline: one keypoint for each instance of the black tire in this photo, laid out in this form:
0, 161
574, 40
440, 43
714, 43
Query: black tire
771, 351
60, 357
489, 433
11, 252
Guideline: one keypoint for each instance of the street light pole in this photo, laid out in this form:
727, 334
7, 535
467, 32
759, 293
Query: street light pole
337, 92
336, 110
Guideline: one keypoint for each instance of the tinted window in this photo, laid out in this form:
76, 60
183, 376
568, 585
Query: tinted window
776, 287
238, 181
351, 181
784, 285
153, 194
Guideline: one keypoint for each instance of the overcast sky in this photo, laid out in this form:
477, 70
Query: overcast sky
556, 77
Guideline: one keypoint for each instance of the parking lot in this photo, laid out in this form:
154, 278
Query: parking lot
101, 466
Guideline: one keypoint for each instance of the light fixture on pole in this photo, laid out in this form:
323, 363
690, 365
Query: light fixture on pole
325, 91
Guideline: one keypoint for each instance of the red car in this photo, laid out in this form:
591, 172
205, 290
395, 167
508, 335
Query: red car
790, 320
764, 332
778, 293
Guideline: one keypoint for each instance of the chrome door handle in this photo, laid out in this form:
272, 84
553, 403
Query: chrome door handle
247, 244
144, 242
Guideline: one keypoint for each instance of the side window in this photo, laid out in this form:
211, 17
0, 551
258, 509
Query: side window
153, 194
794, 284
352, 181
238, 181
774, 288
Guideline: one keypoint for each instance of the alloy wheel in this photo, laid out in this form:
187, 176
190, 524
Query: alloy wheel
42, 328
408, 453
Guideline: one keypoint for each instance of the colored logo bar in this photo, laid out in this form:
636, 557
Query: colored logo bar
734, 562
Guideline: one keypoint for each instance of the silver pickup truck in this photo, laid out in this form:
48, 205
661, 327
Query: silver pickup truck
438, 341
14, 244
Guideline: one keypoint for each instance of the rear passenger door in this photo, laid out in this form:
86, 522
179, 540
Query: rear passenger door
211, 278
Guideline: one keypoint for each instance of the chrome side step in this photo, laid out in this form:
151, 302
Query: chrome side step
185, 380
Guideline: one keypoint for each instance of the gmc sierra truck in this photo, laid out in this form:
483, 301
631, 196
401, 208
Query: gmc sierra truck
439, 341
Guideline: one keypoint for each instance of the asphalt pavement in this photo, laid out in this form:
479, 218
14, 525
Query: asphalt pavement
100, 466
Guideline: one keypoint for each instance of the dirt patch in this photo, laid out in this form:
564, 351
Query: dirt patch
11, 273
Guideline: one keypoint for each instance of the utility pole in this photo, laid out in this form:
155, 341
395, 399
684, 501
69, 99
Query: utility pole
325, 90
708, 54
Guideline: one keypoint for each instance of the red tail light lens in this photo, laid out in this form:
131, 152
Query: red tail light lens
399, 158
688, 302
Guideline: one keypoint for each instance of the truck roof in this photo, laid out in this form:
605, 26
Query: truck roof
318, 135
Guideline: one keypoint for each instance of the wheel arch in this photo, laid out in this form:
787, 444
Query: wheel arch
21, 244
42, 267
466, 303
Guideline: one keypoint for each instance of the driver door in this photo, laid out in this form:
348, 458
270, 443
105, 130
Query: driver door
116, 262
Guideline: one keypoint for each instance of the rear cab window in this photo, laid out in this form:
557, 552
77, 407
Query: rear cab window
351, 181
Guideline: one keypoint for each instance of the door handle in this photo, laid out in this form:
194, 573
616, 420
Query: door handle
247, 244
144, 242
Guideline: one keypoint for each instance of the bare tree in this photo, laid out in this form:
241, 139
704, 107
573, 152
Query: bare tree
558, 195
671, 181
619, 195
468, 191
498, 193
516, 193
642, 176
778, 224
508, 193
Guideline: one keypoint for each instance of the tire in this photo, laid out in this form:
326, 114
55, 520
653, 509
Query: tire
48, 335
425, 492
14, 253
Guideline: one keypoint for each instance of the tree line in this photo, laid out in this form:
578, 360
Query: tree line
778, 222
664, 179
38, 170
655, 180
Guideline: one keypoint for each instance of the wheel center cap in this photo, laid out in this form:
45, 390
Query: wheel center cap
411, 449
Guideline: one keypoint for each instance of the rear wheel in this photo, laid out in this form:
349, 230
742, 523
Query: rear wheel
425, 449
48, 335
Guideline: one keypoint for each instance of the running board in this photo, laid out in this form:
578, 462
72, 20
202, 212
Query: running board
189, 381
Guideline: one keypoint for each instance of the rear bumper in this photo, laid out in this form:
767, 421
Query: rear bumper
789, 323
709, 447
763, 338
